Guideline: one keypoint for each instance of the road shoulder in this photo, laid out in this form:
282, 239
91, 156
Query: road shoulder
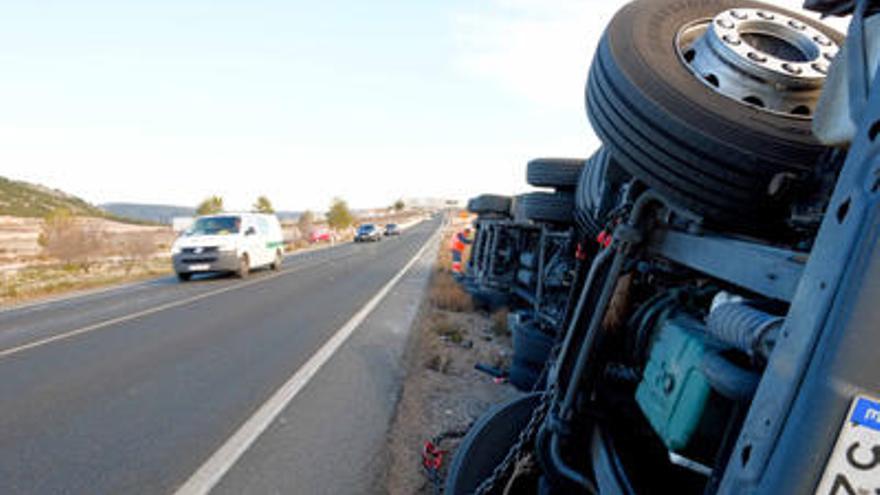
331, 438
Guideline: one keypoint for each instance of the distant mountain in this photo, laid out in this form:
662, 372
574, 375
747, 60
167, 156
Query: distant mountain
149, 213
288, 215
165, 213
23, 199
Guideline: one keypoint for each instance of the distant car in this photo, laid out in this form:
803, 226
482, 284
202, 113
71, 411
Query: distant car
321, 235
229, 242
392, 229
368, 232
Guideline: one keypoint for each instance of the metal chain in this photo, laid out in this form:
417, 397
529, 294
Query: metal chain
525, 436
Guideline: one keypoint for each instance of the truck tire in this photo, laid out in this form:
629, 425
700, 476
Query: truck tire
487, 442
279, 259
524, 378
490, 203
595, 193
516, 210
705, 151
548, 207
560, 173
531, 346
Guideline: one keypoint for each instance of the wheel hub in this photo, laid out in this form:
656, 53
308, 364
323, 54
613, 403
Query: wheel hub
759, 57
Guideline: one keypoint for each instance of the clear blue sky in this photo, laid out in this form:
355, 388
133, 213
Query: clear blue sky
169, 101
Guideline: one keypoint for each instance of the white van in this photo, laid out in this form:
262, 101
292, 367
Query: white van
228, 242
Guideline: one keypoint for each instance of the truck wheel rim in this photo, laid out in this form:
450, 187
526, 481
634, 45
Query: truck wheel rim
759, 57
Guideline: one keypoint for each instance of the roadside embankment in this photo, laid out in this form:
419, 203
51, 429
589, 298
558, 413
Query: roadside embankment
443, 394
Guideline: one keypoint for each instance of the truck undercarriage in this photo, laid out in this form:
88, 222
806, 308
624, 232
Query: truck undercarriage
694, 310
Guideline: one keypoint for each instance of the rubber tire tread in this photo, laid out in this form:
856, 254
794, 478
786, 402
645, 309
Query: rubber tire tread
560, 173
549, 207
590, 192
490, 203
702, 150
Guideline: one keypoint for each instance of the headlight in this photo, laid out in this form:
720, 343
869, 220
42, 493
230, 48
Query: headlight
175, 249
226, 249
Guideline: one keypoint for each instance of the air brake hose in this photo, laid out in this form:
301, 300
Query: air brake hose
745, 328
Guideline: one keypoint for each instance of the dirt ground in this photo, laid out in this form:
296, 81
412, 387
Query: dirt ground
20, 249
443, 394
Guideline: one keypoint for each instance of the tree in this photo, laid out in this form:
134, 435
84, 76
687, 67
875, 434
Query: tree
305, 221
210, 206
68, 240
263, 205
339, 216
399, 205
137, 247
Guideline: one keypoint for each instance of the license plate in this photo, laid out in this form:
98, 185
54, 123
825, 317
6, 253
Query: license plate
854, 465
199, 268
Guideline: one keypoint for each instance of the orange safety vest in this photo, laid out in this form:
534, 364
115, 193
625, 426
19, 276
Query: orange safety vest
457, 244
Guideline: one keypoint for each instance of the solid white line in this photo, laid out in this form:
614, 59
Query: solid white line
212, 471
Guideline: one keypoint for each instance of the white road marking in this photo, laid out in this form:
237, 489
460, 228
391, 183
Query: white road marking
155, 309
215, 467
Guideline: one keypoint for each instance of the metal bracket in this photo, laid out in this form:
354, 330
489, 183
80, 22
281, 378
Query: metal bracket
766, 270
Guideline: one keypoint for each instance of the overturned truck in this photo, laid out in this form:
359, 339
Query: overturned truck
695, 307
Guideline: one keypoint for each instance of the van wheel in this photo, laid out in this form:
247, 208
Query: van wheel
244, 267
276, 265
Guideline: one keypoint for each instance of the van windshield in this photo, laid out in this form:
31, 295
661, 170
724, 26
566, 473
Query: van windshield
215, 226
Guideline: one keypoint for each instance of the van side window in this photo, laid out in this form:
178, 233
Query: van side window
263, 226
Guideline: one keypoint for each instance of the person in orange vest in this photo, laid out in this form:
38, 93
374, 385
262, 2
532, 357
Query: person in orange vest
459, 241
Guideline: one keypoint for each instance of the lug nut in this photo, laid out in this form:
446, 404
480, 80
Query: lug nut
796, 25
822, 40
792, 68
739, 15
724, 23
766, 15
820, 67
757, 57
732, 39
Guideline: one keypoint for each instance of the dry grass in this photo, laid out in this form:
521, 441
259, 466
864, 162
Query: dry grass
447, 328
296, 245
41, 281
443, 392
439, 363
447, 295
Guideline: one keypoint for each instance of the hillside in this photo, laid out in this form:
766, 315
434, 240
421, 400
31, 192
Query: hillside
23, 199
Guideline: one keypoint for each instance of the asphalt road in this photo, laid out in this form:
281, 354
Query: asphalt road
131, 390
